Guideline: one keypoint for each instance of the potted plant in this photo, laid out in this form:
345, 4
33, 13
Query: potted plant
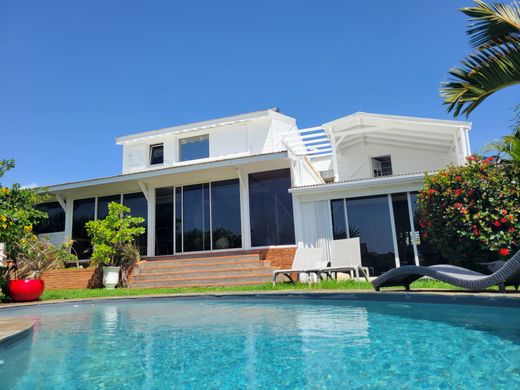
113, 239
34, 257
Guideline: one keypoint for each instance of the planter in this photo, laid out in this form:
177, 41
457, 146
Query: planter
25, 290
110, 277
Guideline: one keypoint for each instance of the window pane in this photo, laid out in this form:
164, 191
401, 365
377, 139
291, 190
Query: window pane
55, 221
103, 201
271, 209
178, 219
139, 208
339, 225
195, 204
402, 229
194, 147
225, 214
164, 221
156, 154
83, 211
369, 219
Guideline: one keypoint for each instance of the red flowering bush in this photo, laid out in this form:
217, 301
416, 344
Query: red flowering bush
472, 213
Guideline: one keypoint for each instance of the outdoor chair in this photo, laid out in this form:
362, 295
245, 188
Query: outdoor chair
304, 259
507, 275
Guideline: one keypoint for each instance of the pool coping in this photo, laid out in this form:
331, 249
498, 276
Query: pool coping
13, 329
424, 296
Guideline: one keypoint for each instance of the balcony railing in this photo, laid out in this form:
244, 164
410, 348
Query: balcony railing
311, 142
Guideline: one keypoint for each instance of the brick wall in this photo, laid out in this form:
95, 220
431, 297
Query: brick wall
70, 278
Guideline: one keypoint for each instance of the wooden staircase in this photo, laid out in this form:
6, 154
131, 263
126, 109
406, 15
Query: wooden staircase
201, 271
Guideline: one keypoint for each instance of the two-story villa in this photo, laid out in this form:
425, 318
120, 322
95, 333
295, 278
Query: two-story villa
255, 181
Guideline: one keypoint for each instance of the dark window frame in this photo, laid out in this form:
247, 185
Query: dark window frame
161, 158
385, 170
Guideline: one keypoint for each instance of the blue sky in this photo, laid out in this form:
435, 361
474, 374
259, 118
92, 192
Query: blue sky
76, 74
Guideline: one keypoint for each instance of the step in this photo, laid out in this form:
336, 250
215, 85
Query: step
213, 280
202, 285
196, 261
195, 256
143, 269
202, 274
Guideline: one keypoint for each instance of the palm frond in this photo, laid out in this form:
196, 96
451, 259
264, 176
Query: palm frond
482, 73
493, 24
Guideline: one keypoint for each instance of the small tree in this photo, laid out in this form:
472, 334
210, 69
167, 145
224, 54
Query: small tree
114, 238
17, 212
468, 213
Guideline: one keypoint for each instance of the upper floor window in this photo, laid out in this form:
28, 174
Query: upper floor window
156, 154
382, 166
194, 148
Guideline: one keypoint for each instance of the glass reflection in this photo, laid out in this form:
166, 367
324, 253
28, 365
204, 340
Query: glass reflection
139, 208
225, 214
164, 221
369, 219
403, 229
271, 209
195, 223
103, 201
83, 211
339, 228
55, 221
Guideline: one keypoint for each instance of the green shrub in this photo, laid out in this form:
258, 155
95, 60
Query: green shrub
471, 213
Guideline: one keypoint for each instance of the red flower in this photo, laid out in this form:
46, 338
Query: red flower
497, 223
431, 191
503, 251
511, 229
503, 220
504, 212
458, 192
425, 235
458, 178
489, 159
476, 233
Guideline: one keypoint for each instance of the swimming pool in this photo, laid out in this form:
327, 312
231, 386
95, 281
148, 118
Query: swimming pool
264, 343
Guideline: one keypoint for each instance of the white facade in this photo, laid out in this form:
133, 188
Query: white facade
335, 160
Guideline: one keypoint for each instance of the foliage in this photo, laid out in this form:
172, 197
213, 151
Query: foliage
112, 235
468, 213
494, 32
508, 145
17, 212
36, 256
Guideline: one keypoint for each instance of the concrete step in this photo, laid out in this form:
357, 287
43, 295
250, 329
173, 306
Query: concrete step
191, 273
203, 281
174, 267
198, 260
202, 285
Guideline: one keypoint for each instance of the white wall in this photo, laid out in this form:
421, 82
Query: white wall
261, 135
355, 162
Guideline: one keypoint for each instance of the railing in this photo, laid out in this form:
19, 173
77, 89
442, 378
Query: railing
311, 142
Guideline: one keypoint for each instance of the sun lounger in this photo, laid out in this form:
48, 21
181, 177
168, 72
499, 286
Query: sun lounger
304, 259
507, 275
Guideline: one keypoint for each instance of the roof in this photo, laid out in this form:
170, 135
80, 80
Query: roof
398, 118
339, 185
198, 125
177, 168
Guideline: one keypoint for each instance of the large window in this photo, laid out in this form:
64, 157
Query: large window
138, 208
55, 221
195, 222
102, 204
194, 148
164, 221
369, 219
270, 207
83, 211
225, 214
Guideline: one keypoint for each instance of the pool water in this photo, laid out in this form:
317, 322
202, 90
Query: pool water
264, 343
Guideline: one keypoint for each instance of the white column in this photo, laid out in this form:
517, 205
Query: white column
297, 216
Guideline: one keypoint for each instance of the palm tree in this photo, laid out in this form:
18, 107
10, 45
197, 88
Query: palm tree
494, 32
508, 145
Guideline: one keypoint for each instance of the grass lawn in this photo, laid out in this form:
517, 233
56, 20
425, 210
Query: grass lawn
325, 285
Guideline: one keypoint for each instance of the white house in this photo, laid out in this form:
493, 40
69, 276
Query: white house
255, 180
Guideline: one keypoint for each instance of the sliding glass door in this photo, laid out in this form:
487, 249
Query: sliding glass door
198, 217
